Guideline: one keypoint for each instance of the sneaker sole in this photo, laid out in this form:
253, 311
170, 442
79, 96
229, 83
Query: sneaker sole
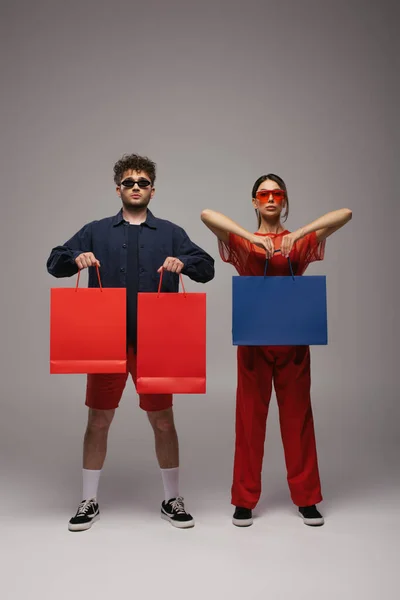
242, 522
178, 524
312, 522
83, 526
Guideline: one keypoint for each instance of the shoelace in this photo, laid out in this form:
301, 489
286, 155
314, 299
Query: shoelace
177, 506
84, 506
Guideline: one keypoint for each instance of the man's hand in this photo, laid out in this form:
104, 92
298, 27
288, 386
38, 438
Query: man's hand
172, 264
265, 243
87, 259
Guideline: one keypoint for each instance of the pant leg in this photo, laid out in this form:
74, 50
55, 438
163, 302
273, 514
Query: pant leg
104, 390
292, 386
252, 402
148, 402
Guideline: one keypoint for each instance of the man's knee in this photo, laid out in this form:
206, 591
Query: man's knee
162, 421
99, 420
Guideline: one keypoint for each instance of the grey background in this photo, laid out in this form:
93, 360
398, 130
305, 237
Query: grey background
217, 93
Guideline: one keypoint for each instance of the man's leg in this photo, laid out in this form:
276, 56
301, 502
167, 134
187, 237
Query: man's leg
167, 451
103, 394
166, 438
160, 415
95, 449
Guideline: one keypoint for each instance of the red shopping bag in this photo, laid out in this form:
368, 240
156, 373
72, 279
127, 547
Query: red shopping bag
88, 329
171, 350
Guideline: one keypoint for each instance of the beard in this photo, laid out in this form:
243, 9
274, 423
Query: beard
137, 206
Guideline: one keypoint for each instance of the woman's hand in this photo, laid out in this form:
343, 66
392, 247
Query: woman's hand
265, 243
288, 242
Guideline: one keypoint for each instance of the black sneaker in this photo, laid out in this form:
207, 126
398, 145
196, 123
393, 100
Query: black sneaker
88, 512
174, 512
311, 516
242, 517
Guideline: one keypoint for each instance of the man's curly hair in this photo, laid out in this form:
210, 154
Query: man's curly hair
134, 162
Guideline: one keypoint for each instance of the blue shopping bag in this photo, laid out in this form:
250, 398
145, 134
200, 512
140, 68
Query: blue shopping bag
279, 311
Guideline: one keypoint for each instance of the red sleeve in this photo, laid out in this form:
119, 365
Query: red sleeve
236, 252
308, 250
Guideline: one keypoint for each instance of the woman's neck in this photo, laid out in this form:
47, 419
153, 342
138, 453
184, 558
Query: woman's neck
270, 226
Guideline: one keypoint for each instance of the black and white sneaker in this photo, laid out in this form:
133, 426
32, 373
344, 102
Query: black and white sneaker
242, 517
174, 512
311, 516
88, 513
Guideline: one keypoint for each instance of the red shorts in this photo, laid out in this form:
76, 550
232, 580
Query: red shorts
104, 390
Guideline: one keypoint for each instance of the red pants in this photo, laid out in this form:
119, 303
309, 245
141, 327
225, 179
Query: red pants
104, 390
289, 369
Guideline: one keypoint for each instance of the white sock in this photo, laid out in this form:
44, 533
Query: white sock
91, 480
170, 479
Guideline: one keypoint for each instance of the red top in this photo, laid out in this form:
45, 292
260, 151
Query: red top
249, 259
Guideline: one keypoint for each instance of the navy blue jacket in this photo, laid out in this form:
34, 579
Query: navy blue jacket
108, 240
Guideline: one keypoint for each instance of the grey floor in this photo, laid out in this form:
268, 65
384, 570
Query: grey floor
132, 553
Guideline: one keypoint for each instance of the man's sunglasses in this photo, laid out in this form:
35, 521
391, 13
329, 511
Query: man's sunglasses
129, 182
277, 195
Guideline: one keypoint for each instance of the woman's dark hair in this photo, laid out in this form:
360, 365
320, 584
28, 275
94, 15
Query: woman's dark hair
134, 162
281, 184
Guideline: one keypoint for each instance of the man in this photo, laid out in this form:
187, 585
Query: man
131, 248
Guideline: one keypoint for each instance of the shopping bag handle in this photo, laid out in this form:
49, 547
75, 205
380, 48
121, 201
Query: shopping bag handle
161, 276
98, 276
289, 261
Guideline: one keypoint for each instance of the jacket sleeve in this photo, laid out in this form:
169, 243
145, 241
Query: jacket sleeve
61, 262
199, 265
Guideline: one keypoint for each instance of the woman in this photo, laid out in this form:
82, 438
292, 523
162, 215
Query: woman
288, 367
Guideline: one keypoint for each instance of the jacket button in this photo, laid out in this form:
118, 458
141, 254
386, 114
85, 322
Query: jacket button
122, 270
124, 245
